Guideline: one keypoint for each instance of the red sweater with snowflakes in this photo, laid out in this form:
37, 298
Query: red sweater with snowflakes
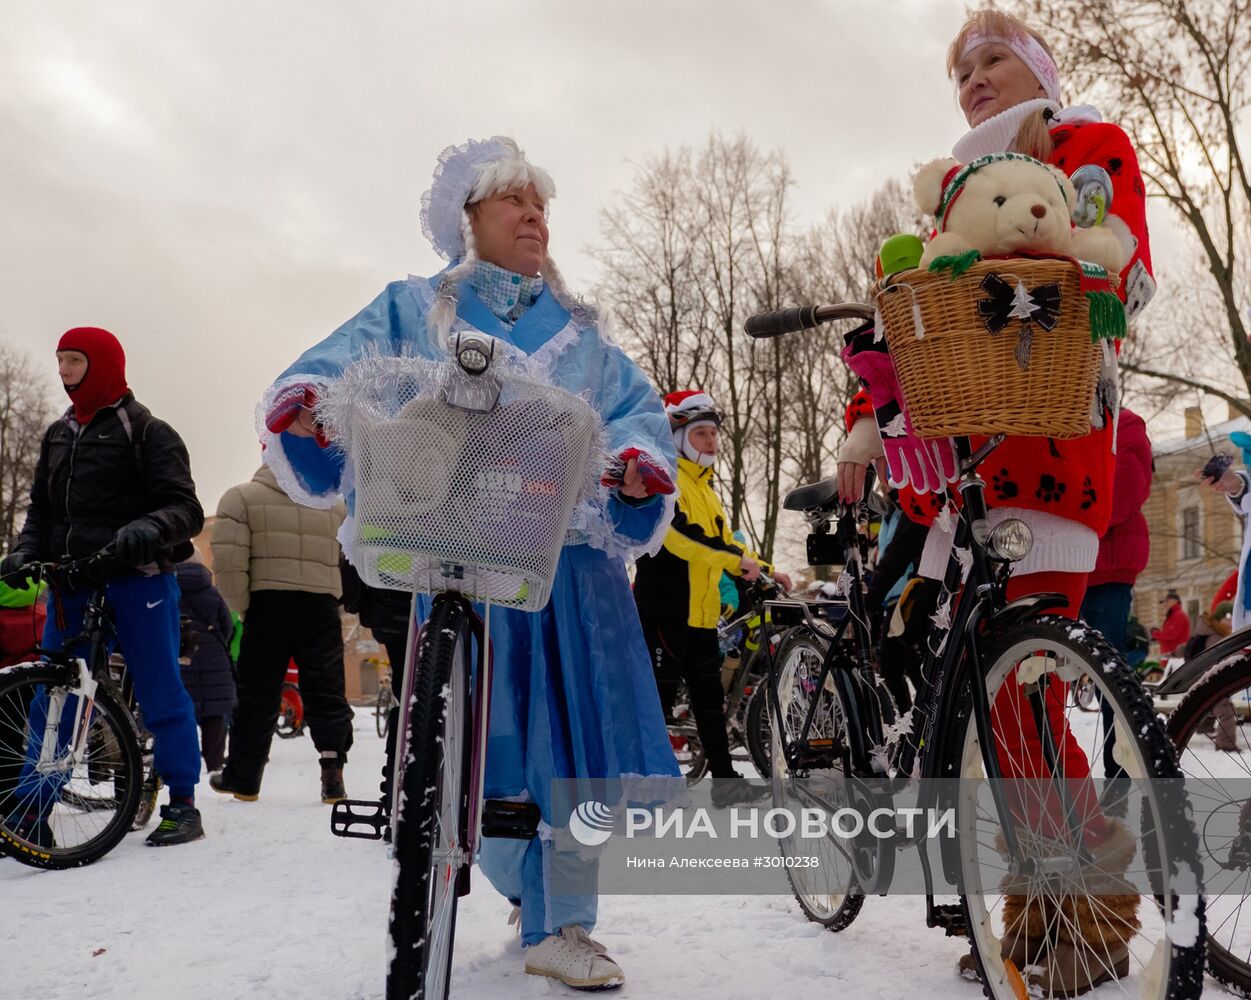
1070, 479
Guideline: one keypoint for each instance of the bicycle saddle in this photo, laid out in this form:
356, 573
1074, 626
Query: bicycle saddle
814, 496
823, 496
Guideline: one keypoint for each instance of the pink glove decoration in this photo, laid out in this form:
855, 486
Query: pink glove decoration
655, 479
287, 406
926, 466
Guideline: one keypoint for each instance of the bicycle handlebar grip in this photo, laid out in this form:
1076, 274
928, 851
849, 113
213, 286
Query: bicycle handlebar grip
781, 321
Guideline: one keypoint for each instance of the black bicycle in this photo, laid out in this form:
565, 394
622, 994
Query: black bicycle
741, 638
71, 763
1208, 729
1035, 856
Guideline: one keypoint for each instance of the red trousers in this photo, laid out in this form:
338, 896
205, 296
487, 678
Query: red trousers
1017, 741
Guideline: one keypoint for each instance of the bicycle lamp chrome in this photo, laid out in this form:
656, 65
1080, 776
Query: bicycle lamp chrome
472, 388
1010, 540
474, 354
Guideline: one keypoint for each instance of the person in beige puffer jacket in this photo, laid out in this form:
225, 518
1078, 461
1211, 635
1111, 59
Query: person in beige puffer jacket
277, 565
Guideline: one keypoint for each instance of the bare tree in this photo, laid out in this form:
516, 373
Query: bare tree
24, 414
650, 275
702, 240
1174, 73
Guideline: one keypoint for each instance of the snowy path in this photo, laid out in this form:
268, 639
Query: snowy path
271, 905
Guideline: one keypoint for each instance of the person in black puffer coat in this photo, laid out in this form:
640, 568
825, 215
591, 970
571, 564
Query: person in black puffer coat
209, 674
111, 474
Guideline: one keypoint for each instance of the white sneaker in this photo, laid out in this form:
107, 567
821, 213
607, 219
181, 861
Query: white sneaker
572, 957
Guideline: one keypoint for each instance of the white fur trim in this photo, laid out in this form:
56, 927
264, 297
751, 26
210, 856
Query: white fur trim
996, 134
274, 455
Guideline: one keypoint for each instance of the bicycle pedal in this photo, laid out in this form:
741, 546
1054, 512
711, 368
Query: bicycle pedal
513, 820
950, 917
363, 819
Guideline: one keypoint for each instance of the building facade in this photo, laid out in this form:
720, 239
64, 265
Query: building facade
1195, 535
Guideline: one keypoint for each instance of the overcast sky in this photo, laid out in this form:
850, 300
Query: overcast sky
223, 184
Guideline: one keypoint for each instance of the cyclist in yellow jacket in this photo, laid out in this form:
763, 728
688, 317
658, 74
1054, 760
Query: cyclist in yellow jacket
678, 590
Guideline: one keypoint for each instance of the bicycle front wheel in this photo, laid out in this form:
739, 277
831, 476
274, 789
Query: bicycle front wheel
1097, 896
1215, 756
430, 827
70, 774
758, 730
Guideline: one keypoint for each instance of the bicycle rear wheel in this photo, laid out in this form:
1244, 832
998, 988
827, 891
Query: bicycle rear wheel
430, 828
829, 893
59, 810
1081, 911
290, 722
1215, 756
382, 709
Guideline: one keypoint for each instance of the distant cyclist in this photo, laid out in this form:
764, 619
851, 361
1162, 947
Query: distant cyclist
678, 590
110, 473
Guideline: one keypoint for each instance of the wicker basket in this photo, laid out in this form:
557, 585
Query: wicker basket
958, 378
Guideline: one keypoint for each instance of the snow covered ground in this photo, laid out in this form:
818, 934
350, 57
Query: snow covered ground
271, 905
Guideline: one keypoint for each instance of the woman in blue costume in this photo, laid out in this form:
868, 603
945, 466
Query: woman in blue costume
573, 695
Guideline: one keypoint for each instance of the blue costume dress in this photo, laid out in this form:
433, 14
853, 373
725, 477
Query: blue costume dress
573, 696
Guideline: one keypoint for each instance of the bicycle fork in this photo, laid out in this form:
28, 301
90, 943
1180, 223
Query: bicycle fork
51, 758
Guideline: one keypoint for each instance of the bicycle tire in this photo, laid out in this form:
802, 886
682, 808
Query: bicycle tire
1159, 962
93, 831
290, 721
756, 729
382, 710
151, 789
433, 811
688, 748
830, 894
1228, 965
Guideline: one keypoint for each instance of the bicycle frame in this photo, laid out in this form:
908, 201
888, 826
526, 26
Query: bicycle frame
972, 594
479, 719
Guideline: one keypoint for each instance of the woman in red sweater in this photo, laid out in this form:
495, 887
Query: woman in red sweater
1009, 90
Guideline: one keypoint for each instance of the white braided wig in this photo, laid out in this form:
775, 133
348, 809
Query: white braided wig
465, 175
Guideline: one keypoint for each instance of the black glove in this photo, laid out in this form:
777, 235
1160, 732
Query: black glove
136, 543
14, 562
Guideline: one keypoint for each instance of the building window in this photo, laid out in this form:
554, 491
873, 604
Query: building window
1190, 533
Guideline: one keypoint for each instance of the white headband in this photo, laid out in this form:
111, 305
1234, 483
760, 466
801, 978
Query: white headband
1030, 51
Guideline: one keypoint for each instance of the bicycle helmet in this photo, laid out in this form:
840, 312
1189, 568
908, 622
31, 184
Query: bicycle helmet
687, 409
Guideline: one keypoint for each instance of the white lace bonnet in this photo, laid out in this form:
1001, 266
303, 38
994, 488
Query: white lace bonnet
465, 174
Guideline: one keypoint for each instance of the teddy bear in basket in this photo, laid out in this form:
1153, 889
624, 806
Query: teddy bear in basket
1007, 203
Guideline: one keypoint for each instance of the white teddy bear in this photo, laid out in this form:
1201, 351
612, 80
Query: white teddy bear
1007, 203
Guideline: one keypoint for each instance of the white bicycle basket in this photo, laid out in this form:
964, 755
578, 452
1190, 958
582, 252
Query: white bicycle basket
453, 499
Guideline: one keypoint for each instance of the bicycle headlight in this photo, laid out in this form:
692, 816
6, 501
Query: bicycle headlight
473, 354
1010, 540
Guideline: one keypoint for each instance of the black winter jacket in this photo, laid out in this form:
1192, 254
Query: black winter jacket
209, 677
90, 481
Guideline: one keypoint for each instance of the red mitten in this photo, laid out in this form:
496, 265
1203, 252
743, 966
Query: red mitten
287, 406
655, 479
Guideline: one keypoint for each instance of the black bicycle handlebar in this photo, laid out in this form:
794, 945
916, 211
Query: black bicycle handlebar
783, 321
39, 569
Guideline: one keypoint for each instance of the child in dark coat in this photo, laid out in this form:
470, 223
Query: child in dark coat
209, 673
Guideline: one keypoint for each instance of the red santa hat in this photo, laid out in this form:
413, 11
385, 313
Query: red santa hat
690, 408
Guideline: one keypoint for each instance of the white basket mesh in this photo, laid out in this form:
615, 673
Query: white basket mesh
449, 499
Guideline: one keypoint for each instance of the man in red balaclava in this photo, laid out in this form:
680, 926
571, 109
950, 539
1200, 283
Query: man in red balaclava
111, 474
